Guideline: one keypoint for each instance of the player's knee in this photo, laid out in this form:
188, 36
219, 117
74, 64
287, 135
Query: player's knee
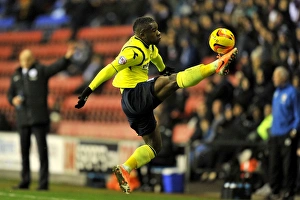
173, 81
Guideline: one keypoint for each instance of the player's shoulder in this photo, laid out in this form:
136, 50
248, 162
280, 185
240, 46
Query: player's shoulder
134, 41
133, 44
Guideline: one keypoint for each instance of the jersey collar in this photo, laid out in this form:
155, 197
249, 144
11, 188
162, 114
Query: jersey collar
145, 44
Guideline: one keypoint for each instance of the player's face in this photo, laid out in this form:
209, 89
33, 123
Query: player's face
152, 35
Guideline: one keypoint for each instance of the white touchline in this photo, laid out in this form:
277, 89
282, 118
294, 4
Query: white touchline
30, 196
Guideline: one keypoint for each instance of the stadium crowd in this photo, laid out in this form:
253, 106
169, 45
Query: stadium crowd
267, 35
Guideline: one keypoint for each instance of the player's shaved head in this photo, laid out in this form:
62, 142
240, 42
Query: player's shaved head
141, 24
26, 58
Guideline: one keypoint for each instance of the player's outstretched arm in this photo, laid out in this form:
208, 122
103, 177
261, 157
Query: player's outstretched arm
106, 73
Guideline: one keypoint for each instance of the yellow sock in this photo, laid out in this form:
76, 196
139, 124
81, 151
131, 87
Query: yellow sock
141, 156
193, 75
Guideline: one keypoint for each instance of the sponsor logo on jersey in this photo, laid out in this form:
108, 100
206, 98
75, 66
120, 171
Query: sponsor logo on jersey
122, 60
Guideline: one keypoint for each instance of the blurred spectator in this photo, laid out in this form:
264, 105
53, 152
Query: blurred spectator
243, 93
25, 11
81, 12
201, 156
223, 89
170, 50
90, 72
263, 88
199, 114
81, 58
262, 134
189, 54
161, 11
174, 108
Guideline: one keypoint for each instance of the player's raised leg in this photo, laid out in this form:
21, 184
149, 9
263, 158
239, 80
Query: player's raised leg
166, 85
194, 75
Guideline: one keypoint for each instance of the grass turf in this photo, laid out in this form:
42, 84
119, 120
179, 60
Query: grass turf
70, 192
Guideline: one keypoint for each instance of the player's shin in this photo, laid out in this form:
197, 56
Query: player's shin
192, 76
141, 156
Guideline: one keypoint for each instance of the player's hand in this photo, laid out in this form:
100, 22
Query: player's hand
83, 97
167, 71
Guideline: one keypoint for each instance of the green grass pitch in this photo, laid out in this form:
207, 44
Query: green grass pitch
70, 192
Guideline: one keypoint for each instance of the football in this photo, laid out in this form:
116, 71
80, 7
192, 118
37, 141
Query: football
221, 40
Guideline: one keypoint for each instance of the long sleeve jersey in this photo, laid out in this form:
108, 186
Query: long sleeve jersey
285, 110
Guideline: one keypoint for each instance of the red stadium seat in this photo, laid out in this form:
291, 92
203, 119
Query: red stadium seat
198, 89
105, 131
7, 68
21, 37
7, 109
182, 134
4, 85
63, 85
104, 108
191, 104
60, 35
6, 52
109, 89
100, 108
67, 110
108, 49
105, 33
47, 51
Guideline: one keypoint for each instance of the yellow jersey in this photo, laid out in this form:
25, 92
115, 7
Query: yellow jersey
131, 66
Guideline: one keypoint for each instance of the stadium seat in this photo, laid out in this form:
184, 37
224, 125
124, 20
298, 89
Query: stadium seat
7, 109
7, 68
50, 22
104, 108
109, 89
182, 134
5, 82
105, 131
105, 33
64, 85
48, 51
21, 37
67, 110
198, 89
60, 35
47, 61
191, 104
7, 23
100, 108
6, 52
108, 49
108, 59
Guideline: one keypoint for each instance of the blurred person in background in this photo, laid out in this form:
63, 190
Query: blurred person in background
90, 72
28, 93
284, 136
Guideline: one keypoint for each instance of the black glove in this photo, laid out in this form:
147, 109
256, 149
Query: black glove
83, 97
167, 71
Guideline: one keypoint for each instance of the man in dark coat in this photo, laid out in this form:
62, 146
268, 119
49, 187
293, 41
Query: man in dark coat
28, 93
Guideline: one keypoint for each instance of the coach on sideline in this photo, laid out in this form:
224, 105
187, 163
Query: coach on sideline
284, 136
28, 93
